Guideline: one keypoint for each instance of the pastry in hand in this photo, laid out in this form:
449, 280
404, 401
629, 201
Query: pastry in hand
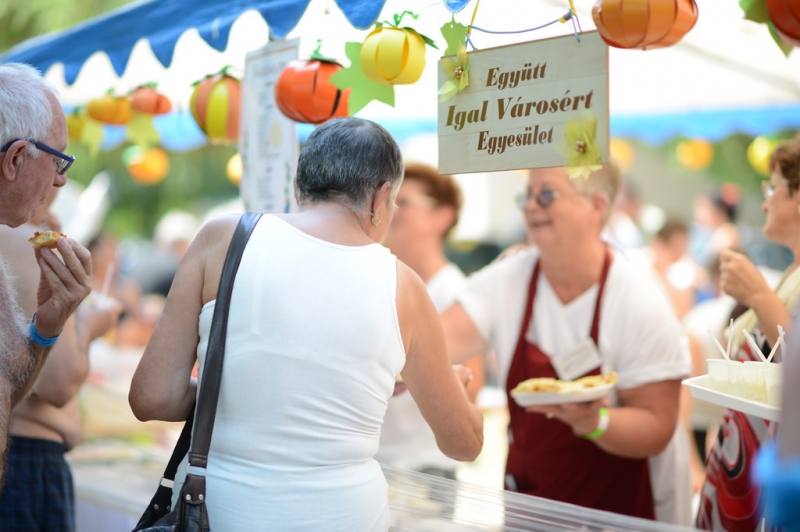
45, 239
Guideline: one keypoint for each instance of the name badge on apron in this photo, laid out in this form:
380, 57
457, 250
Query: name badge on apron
577, 362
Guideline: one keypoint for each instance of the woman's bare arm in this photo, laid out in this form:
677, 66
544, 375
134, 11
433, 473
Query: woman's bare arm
162, 387
429, 376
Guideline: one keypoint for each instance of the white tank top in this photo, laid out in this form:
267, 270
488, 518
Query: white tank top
312, 352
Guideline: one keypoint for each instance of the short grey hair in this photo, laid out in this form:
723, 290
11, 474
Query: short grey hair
606, 180
347, 160
25, 111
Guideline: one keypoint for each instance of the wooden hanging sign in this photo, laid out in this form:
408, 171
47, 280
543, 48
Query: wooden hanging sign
513, 112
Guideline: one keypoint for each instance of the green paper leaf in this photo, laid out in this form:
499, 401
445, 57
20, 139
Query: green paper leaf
455, 34
317, 55
785, 48
140, 131
755, 10
363, 89
92, 134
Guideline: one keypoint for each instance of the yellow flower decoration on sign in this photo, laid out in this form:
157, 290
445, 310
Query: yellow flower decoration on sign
457, 73
581, 150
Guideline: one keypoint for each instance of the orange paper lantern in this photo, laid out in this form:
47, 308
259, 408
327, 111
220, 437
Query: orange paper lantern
147, 100
644, 24
147, 167
695, 154
304, 94
216, 107
110, 109
785, 15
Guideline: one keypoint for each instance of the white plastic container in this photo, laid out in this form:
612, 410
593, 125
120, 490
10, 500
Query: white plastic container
718, 374
773, 379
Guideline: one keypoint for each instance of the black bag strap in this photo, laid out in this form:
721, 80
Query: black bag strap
241, 235
181, 448
212, 372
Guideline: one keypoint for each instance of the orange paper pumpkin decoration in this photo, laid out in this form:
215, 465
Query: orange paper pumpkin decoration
695, 154
148, 167
110, 109
393, 56
644, 24
216, 107
147, 100
304, 94
785, 15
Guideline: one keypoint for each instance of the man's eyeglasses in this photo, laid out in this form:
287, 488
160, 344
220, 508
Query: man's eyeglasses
768, 189
544, 198
63, 162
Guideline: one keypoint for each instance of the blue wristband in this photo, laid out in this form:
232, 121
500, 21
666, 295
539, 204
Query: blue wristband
38, 338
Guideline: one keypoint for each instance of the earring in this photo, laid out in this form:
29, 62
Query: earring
372, 219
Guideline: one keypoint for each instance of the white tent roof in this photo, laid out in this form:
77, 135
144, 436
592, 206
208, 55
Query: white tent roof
724, 62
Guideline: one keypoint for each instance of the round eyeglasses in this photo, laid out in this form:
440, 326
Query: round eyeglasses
544, 198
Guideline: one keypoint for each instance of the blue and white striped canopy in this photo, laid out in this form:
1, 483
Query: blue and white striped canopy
162, 22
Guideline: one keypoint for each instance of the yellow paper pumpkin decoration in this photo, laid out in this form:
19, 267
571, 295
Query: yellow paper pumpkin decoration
234, 169
75, 125
758, 154
622, 151
695, 154
393, 56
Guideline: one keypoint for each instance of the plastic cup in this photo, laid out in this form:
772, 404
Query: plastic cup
747, 381
773, 379
718, 374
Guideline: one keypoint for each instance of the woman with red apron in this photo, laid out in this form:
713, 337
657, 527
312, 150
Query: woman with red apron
548, 460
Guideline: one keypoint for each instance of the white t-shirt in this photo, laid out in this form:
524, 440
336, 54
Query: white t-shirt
407, 441
639, 337
312, 350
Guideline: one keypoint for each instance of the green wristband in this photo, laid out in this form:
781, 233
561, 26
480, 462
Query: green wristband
602, 425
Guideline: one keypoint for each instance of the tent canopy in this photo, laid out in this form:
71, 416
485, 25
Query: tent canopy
725, 76
162, 23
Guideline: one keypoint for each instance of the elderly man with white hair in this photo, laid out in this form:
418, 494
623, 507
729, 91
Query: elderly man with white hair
33, 132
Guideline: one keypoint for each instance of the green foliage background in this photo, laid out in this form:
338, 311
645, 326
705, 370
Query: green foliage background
196, 179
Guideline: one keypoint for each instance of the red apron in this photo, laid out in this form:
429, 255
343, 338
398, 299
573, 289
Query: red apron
547, 460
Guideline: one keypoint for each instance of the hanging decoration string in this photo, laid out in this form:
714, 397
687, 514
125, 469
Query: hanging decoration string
571, 15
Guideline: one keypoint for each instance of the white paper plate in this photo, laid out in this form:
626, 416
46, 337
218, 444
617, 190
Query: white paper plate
698, 386
554, 398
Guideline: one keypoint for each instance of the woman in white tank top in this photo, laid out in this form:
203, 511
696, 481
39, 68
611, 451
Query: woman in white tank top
322, 319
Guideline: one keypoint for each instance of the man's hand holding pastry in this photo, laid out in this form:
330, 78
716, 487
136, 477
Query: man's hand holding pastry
62, 285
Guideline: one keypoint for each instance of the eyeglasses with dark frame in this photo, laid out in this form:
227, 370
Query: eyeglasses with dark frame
544, 198
62, 164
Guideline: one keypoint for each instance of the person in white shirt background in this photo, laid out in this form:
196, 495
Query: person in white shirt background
428, 207
630, 457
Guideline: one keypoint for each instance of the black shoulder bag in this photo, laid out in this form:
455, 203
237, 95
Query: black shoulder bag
190, 514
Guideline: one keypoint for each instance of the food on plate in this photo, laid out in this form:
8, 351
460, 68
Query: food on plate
45, 239
549, 385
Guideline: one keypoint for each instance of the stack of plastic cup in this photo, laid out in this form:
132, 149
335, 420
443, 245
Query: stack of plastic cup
718, 374
773, 379
747, 381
